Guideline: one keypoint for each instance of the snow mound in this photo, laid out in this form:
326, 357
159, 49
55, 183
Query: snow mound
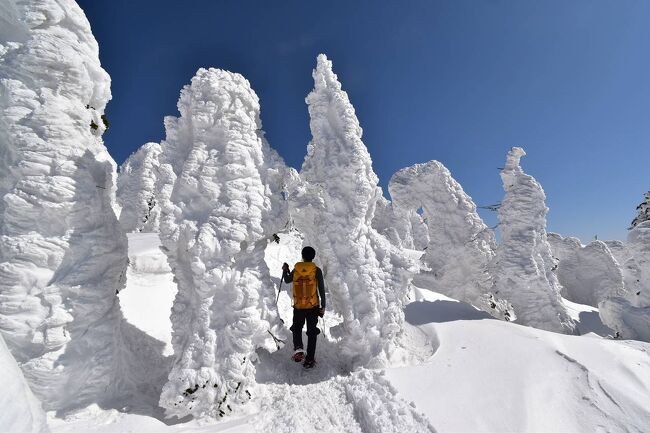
220, 204
21, 411
332, 203
137, 190
588, 274
523, 268
460, 245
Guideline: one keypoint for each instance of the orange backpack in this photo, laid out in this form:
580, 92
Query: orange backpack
305, 286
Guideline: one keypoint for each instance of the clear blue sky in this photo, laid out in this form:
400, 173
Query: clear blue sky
456, 81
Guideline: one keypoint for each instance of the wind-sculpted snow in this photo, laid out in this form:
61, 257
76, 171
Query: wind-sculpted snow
589, 274
460, 244
21, 411
523, 268
332, 202
62, 255
138, 190
630, 315
221, 202
404, 228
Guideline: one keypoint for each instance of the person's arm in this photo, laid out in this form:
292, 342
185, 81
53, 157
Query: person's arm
321, 287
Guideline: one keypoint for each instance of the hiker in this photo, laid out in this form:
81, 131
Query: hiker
308, 304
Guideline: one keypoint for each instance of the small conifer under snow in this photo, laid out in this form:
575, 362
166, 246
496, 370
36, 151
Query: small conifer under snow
644, 211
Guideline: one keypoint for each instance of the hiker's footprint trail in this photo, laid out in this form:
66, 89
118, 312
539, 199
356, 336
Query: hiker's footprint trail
363, 402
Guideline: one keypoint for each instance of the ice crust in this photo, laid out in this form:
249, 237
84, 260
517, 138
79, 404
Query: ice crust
460, 245
221, 202
332, 203
523, 268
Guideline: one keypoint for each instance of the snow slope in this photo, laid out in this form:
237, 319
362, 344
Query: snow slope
491, 376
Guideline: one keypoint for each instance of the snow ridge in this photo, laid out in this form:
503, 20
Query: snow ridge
523, 268
460, 245
218, 212
332, 202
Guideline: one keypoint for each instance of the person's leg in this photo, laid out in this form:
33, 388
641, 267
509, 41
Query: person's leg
312, 332
296, 328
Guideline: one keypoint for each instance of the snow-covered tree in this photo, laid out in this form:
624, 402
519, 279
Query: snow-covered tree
588, 274
333, 203
644, 211
221, 202
138, 190
523, 268
630, 315
460, 245
62, 254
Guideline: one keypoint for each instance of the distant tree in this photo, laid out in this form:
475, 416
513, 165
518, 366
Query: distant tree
644, 211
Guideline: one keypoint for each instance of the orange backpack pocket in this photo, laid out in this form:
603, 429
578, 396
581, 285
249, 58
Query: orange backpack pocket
305, 286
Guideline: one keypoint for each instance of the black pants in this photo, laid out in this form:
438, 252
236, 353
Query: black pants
299, 318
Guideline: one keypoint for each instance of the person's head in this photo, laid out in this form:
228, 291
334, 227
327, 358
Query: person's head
308, 254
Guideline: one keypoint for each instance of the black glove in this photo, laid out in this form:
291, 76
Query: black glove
285, 268
321, 312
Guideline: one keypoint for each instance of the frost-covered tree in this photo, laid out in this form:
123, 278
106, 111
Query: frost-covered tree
644, 211
630, 316
523, 268
138, 190
221, 202
588, 274
460, 245
333, 203
62, 254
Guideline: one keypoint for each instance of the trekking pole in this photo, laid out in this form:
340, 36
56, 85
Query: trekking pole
277, 299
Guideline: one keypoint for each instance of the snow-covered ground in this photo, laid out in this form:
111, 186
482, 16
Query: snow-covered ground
480, 374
